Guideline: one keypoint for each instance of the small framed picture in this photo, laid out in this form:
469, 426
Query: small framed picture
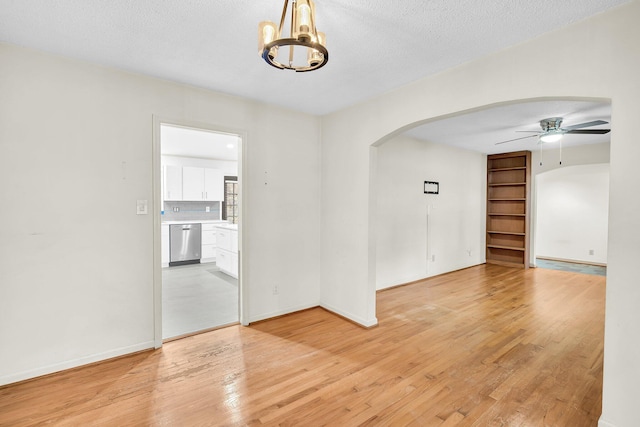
431, 187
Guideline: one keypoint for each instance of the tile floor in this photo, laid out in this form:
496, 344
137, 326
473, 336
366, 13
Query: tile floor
571, 266
197, 297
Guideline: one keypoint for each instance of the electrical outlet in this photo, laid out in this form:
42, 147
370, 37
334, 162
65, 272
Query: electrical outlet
591, 252
207, 209
469, 252
275, 290
433, 258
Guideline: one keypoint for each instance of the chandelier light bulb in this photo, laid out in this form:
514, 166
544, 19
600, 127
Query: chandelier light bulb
269, 33
304, 16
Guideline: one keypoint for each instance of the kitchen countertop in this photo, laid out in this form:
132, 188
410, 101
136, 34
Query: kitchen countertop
228, 226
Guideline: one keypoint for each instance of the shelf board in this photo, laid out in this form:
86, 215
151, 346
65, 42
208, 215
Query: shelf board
514, 168
505, 214
510, 248
509, 233
506, 263
509, 200
507, 184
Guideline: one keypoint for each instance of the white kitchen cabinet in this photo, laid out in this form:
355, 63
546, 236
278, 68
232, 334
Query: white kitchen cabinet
223, 238
234, 253
234, 265
192, 183
234, 241
164, 242
208, 253
208, 243
227, 250
213, 185
223, 261
202, 184
172, 182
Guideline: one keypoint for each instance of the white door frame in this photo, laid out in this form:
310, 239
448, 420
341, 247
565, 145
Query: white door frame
157, 221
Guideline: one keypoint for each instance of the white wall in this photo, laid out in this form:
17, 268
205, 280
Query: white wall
571, 156
549, 160
348, 273
76, 262
573, 213
456, 216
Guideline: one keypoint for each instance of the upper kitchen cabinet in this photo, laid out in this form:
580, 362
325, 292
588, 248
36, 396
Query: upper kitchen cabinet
213, 185
172, 183
202, 184
192, 183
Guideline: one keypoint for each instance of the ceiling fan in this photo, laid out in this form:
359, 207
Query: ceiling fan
552, 130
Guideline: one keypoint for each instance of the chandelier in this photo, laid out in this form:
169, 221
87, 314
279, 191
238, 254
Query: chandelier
306, 46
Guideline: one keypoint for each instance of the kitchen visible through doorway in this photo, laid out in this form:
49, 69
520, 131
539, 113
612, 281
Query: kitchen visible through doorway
199, 229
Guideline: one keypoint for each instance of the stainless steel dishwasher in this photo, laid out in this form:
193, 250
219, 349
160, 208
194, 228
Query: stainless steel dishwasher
185, 241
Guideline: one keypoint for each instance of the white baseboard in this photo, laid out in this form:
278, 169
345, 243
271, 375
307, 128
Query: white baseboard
574, 261
57, 367
420, 277
265, 316
400, 282
348, 316
603, 423
367, 323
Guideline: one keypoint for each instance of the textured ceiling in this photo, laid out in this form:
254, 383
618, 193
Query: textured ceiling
374, 45
482, 130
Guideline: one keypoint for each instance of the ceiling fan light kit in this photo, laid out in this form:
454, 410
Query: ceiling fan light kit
551, 137
307, 49
553, 131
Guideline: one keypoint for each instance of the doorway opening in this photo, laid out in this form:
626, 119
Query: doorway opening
572, 215
199, 275
445, 149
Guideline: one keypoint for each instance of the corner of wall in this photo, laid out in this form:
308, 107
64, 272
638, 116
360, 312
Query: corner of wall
367, 323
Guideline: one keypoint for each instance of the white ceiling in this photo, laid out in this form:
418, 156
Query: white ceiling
374, 47
186, 142
482, 130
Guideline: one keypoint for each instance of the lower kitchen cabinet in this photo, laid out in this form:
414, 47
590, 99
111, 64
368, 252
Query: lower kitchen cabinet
227, 262
234, 265
227, 250
209, 239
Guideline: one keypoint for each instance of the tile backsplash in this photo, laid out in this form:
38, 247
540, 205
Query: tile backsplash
187, 211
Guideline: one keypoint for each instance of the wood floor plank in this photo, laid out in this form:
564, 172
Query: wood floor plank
485, 346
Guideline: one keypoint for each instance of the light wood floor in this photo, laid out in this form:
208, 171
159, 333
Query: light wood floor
486, 346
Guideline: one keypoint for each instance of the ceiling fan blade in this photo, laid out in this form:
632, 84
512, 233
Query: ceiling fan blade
585, 125
590, 131
529, 131
511, 140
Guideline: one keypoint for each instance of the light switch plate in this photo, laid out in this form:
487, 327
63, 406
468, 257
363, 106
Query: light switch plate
142, 207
